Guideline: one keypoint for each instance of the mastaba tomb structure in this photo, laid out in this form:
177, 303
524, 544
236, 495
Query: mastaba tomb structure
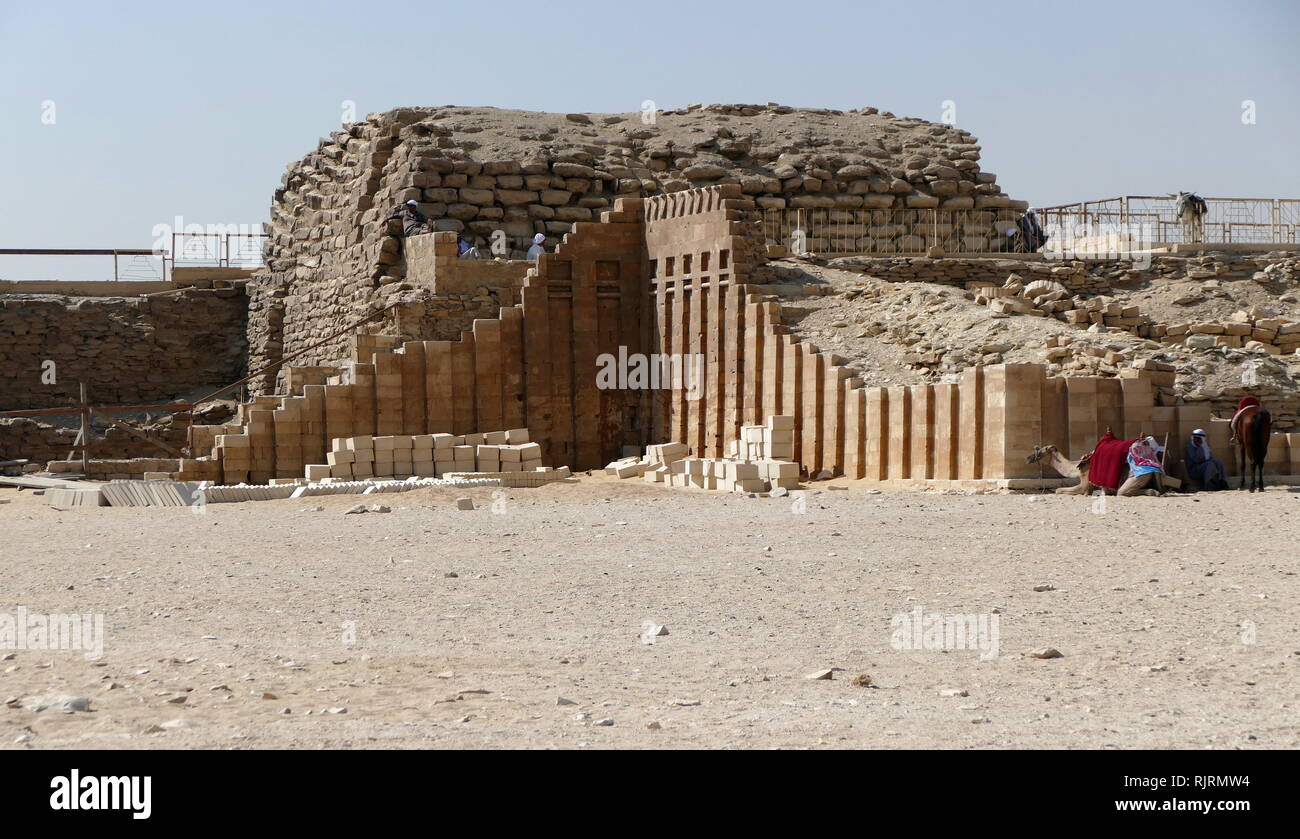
657, 252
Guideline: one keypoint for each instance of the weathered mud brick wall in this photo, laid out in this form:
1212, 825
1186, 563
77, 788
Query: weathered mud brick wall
1076, 276
1079, 276
127, 349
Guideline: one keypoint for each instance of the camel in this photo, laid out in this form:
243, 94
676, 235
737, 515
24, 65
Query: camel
1071, 469
1067, 469
1190, 209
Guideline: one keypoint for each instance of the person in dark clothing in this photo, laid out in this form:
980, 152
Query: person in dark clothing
466, 249
1031, 235
413, 221
1202, 466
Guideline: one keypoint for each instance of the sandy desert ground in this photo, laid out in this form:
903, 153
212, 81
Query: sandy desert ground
291, 624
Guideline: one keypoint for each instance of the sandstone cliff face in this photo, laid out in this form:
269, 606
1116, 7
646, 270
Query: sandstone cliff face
481, 170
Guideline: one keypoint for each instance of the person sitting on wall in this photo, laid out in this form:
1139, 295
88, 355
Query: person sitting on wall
538, 247
413, 221
1202, 466
465, 249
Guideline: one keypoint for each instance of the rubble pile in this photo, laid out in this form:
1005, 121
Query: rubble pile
761, 460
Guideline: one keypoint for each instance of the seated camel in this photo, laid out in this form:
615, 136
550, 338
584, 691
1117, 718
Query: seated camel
1070, 469
1067, 469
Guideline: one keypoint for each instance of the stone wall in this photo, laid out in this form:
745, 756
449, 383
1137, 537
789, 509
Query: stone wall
43, 442
478, 170
1079, 276
669, 275
433, 262
128, 350
532, 364
333, 256
288, 313
977, 430
702, 246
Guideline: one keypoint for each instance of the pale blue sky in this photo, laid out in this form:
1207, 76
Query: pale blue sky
194, 109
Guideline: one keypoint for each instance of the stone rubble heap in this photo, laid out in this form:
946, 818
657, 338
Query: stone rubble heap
1243, 330
1252, 331
761, 460
1273, 271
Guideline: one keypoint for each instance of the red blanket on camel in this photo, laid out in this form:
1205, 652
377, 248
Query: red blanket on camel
1108, 461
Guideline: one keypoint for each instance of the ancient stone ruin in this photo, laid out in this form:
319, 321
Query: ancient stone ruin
660, 245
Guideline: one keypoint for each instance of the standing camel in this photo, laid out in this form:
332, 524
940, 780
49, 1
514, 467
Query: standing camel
1251, 427
1190, 209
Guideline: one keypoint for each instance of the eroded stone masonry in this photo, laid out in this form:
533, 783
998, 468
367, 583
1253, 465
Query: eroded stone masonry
657, 246
331, 256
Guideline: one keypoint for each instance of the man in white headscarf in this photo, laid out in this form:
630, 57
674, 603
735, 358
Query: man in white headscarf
1202, 466
538, 247
413, 221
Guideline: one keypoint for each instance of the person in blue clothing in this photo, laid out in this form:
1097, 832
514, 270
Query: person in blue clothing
1202, 466
1144, 468
538, 248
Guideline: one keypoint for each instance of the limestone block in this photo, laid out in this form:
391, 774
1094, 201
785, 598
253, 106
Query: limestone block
315, 472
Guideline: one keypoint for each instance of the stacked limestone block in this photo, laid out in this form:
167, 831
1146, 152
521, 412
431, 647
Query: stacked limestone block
145, 468
427, 456
235, 454
760, 461
514, 370
118, 469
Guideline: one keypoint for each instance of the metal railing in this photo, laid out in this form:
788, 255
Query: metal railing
840, 232
217, 250
1227, 220
128, 263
